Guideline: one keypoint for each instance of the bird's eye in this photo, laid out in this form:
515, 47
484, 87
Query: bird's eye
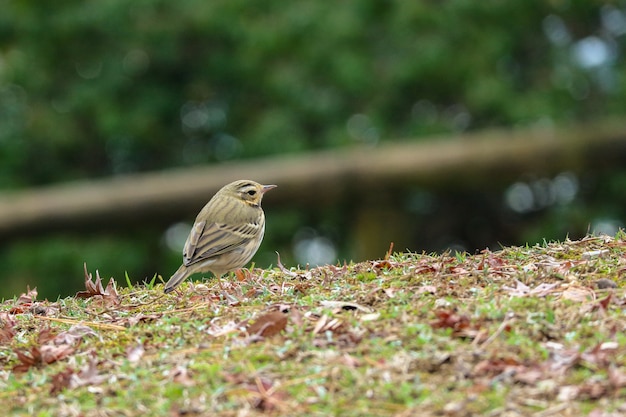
251, 192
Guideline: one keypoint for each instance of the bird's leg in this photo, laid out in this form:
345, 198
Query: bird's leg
219, 281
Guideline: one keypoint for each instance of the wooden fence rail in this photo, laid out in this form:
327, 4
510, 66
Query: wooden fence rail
482, 159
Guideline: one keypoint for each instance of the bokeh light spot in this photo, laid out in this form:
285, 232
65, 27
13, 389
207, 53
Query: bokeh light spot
176, 235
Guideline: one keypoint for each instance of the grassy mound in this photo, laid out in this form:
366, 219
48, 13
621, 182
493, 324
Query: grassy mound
519, 331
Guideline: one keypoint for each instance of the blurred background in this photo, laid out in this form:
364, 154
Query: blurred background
91, 90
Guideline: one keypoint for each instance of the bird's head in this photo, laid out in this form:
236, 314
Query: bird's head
248, 191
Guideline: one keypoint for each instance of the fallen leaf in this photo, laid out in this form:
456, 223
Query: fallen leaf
39, 356
457, 270
89, 374
266, 397
39, 308
74, 334
604, 303
325, 323
389, 252
601, 355
338, 272
568, 393
592, 389
384, 264
268, 324
447, 319
139, 317
95, 289
529, 375
616, 377
264, 394
558, 267
370, 317
296, 316
27, 360
181, 376
595, 254
61, 380
54, 353
242, 275
523, 290
7, 331
134, 354
578, 294
29, 297
350, 361
45, 335
430, 289
306, 275
216, 330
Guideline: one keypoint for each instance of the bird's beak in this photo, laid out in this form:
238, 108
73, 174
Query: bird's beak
266, 188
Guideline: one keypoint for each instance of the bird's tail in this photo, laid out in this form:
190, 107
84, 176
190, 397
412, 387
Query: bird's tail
179, 276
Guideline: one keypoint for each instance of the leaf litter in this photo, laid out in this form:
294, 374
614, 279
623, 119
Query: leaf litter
520, 330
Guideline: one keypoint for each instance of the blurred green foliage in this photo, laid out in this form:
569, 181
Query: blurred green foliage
92, 89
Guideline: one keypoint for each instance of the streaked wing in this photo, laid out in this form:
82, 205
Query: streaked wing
206, 241
192, 242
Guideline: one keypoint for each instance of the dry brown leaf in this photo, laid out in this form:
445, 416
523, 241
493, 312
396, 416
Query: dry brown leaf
95, 289
447, 319
370, 317
29, 297
497, 366
604, 303
53, 353
523, 290
601, 355
24, 302
45, 335
595, 254
296, 316
217, 330
89, 374
578, 294
134, 354
530, 375
7, 331
52, 347
61, 380
350, 361
242, 275
426, 289
39, 356
458, 271
266, 397
325, 323
27, 360
181, 376
616, 377
338, 272
383, 264
74, 334
268, 324
138, 318
306, 275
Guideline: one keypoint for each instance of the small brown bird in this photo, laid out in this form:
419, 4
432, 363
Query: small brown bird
226, 234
